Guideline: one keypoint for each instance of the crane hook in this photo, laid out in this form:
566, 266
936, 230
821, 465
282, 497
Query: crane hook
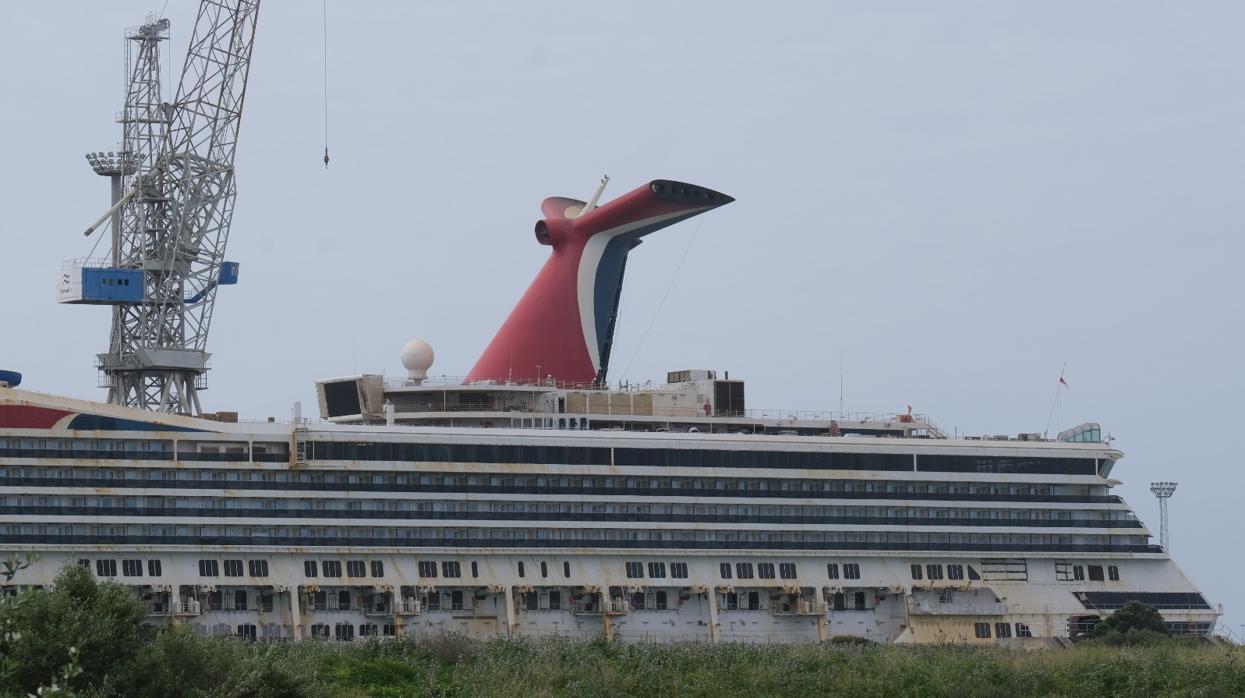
326, 158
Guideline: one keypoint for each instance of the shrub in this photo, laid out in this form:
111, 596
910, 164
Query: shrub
852, 640
1134, 615
1132, 637
101, 622
218, 667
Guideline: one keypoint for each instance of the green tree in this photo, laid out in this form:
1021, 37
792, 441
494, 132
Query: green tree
1133, 616
95, 627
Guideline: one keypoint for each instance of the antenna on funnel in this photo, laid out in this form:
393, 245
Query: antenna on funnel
592, 203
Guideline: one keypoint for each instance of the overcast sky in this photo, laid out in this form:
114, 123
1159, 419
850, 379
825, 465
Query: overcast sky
944, 202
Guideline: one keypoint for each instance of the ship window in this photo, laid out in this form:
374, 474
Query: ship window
1002, 630
208, 568
320, 630
239, 600
389, 629
378, 568
659, 599
1095, 573
657, 570
132, 568
1063, 572
555, 601
743, 570
832, 570
520, 566
1022, 630
1113, 573
428, 568
343, 631
355, 568
106, 568
153, 568
678, 570
851, 570
246, 631
635, 570
266, 602
933, 572
972, 574
916, 572
955, 571
765, 570
531, 601
343, 600
84, 563
724, 570
786, 570
456, 600
1078, 572
1007, 464
257, 568
982, 630
451, 568
544, 569
233, 568
309, 568
368, 630
332, 568
475, 569
566, 569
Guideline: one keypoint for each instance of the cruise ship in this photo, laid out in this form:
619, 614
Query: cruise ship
533, 498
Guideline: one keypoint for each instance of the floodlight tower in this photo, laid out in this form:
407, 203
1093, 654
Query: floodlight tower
116, 167
1164, 491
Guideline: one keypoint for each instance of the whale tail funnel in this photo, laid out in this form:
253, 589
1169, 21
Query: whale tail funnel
563, 326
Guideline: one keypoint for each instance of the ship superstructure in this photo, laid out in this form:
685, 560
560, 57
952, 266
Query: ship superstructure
533, 498
345, 530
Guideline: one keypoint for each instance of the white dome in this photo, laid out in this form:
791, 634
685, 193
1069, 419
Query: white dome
417, 358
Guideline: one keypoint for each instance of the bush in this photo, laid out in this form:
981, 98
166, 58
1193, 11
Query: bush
1132, 637
852, 640
101, 622
219, 667
1134, 615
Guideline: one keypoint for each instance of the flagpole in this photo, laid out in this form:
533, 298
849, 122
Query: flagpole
1055, 400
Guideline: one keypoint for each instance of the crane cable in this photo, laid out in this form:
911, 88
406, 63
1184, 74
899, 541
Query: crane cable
325, 17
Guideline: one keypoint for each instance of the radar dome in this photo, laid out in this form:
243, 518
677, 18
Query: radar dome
417, 358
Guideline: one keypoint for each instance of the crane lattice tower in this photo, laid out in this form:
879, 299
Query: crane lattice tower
175, 213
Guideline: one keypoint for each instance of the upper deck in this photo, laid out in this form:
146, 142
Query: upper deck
688, 402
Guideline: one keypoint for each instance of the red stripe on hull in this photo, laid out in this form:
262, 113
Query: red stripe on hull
27, 417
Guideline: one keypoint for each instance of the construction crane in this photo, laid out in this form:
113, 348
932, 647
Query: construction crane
173, 196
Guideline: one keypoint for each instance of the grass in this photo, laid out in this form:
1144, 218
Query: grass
552, 667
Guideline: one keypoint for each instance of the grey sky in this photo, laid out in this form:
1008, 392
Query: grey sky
946, 200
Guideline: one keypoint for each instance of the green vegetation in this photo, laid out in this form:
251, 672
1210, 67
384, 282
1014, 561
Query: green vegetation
1134, 624
113, 654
